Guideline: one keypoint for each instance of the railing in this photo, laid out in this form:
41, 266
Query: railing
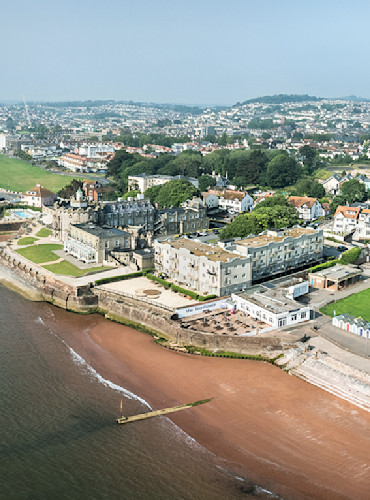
142, 299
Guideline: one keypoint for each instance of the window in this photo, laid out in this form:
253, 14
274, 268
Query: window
282, 322
303, 314
294, 317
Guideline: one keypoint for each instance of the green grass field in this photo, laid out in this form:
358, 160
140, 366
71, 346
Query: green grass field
66, 268
28, 240
18, 175
44, 233
40, 253
356, 305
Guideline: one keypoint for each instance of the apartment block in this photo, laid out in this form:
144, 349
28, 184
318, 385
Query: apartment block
204, 268
279, 250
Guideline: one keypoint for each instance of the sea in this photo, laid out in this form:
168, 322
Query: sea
58, 436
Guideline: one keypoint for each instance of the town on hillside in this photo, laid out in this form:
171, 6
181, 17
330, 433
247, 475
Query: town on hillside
245, 229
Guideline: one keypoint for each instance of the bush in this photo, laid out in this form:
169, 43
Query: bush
325, 265
161, 281
112, 279
350, 255
189, 293
202, 298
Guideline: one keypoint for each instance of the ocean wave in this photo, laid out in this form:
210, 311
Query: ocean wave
79, 360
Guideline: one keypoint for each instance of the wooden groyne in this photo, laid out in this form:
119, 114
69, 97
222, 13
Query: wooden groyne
158, 413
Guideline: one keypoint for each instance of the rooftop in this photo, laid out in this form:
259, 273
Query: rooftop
273, 300
275, 236
338, 272
213, 253
103, 232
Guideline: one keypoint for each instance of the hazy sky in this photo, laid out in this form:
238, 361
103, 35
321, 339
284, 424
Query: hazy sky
195, 52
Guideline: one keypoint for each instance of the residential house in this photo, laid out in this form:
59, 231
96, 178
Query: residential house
345, 219
142, 182
38, 196
308, 208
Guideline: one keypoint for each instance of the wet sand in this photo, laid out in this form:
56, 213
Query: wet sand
271, 428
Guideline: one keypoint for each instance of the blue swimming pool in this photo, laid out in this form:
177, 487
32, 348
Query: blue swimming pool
22, 214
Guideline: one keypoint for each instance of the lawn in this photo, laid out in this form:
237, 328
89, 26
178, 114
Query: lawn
65, 267
40, 253
28, 240
19, 175
44, 233
356, 305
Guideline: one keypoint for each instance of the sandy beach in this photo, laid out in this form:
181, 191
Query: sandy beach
271, 428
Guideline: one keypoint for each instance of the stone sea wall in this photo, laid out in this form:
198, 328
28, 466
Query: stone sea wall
37, 285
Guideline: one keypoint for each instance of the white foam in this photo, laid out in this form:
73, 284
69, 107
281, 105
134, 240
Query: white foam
79, 360
40, 320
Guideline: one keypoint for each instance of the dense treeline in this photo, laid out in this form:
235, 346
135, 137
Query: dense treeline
275, 169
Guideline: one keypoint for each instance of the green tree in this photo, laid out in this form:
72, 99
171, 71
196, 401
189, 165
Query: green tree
309, 156
70, 190
308, 187
282, 171
353, 191
173, 193
277, 216
205, 182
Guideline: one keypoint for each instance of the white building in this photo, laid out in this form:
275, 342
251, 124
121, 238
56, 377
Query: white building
142, 182
308, 208
235, 201
274, 307
210, 200
276, 251
345, 219
204, 268
38, 196
2, 141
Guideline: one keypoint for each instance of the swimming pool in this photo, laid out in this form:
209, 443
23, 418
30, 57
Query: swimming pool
22, 214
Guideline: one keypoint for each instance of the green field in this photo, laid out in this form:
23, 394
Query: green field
40, 253
28, 240
356, 305
44, 233
66, 268
18, 175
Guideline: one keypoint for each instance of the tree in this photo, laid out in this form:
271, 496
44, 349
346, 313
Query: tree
222, 141
309, 187
70, 190
309, 155
205, 182
282, 171
171, 194
353, 191
249, 166
259, 220
273, 201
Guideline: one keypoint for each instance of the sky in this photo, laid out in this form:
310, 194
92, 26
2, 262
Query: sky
189, 52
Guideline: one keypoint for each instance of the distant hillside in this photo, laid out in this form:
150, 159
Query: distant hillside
355, 98
281, 99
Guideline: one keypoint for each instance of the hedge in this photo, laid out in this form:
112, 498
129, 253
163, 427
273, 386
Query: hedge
178, 289
161, 281
121, 277
325, 265
350, 255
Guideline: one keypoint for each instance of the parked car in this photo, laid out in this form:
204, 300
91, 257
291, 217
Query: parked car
341, 248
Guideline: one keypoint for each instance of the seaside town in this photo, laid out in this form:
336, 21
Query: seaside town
241, 231
238, 232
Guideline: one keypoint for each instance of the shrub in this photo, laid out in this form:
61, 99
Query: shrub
202, 298
189, 293
161, 281
350, 255
325, 265
112, 279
